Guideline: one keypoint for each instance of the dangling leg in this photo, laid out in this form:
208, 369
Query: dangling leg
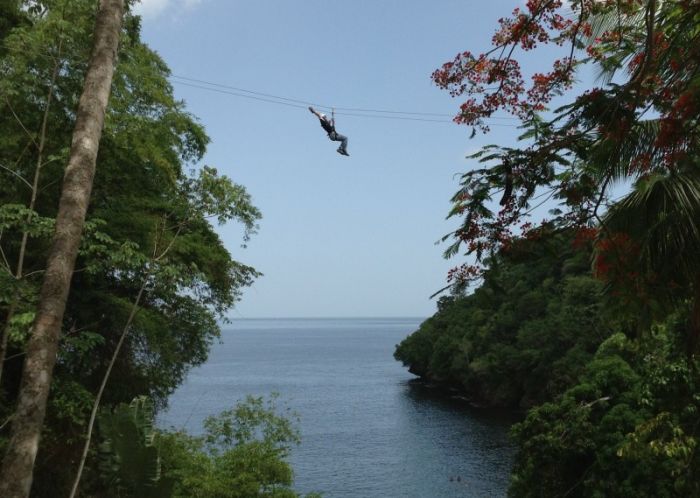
343, 149
344, 145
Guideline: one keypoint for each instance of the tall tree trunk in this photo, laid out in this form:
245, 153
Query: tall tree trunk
16, 474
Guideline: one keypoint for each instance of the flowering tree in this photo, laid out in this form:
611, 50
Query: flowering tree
638, 126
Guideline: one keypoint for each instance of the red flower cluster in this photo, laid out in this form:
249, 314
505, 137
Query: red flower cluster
631, 128
584, 236
464, 274
499, 80
616, 258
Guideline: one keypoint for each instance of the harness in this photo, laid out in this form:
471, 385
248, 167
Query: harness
327, 126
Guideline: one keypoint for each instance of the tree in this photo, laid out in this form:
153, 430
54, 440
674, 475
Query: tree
130, 461
640, 124
628, 425
627, 428
650, 247
150, 192
16, 476
241, 454
210, 196
524, 335
17, 274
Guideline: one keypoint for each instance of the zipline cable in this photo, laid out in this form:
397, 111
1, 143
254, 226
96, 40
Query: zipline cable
302, 104
352, 114
320, 106
375, 116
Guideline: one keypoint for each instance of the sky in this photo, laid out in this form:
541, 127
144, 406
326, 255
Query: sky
340, 236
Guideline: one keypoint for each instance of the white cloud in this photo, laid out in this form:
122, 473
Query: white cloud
150, 8
154, 8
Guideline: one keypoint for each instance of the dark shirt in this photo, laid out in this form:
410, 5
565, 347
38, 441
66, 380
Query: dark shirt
327, 125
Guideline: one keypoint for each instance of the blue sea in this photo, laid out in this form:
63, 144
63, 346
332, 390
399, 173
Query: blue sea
368, 428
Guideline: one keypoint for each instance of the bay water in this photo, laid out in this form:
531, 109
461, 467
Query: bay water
368, 428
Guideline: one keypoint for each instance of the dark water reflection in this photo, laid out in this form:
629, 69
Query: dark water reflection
368, 429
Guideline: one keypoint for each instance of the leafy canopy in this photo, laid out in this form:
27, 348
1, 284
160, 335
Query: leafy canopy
151, 221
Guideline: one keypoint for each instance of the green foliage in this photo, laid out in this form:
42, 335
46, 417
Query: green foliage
151, 220
617, 414
623, 422
20, 218
19, 326
130, 461
240, 455
524, 335
628, 428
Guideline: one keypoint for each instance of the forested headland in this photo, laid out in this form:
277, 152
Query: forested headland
587, 316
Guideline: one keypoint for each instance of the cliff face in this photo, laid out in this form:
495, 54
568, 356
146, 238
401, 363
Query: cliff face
520, 338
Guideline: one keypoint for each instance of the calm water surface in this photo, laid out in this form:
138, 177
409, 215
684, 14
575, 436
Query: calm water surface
367, 430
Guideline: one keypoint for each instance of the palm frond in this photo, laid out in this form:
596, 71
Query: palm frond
662, 214
620, 161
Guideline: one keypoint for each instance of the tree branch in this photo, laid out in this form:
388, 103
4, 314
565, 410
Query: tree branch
26, 182
117, 349
31, 137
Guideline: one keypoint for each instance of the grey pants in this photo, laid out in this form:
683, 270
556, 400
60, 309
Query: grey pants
337, 137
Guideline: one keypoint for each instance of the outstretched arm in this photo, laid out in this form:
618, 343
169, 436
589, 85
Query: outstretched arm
315, 112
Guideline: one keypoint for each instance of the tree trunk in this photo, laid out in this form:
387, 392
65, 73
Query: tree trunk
16, 474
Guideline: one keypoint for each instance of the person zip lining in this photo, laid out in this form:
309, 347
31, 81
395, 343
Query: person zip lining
329, 126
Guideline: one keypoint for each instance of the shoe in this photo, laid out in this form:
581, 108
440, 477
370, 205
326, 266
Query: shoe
343, 152
311, 109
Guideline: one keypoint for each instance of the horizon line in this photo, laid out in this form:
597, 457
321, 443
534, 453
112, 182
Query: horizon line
325, 317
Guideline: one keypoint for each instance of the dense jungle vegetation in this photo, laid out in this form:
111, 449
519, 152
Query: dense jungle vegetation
515, 341
149, 245
613, 407
591, 317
